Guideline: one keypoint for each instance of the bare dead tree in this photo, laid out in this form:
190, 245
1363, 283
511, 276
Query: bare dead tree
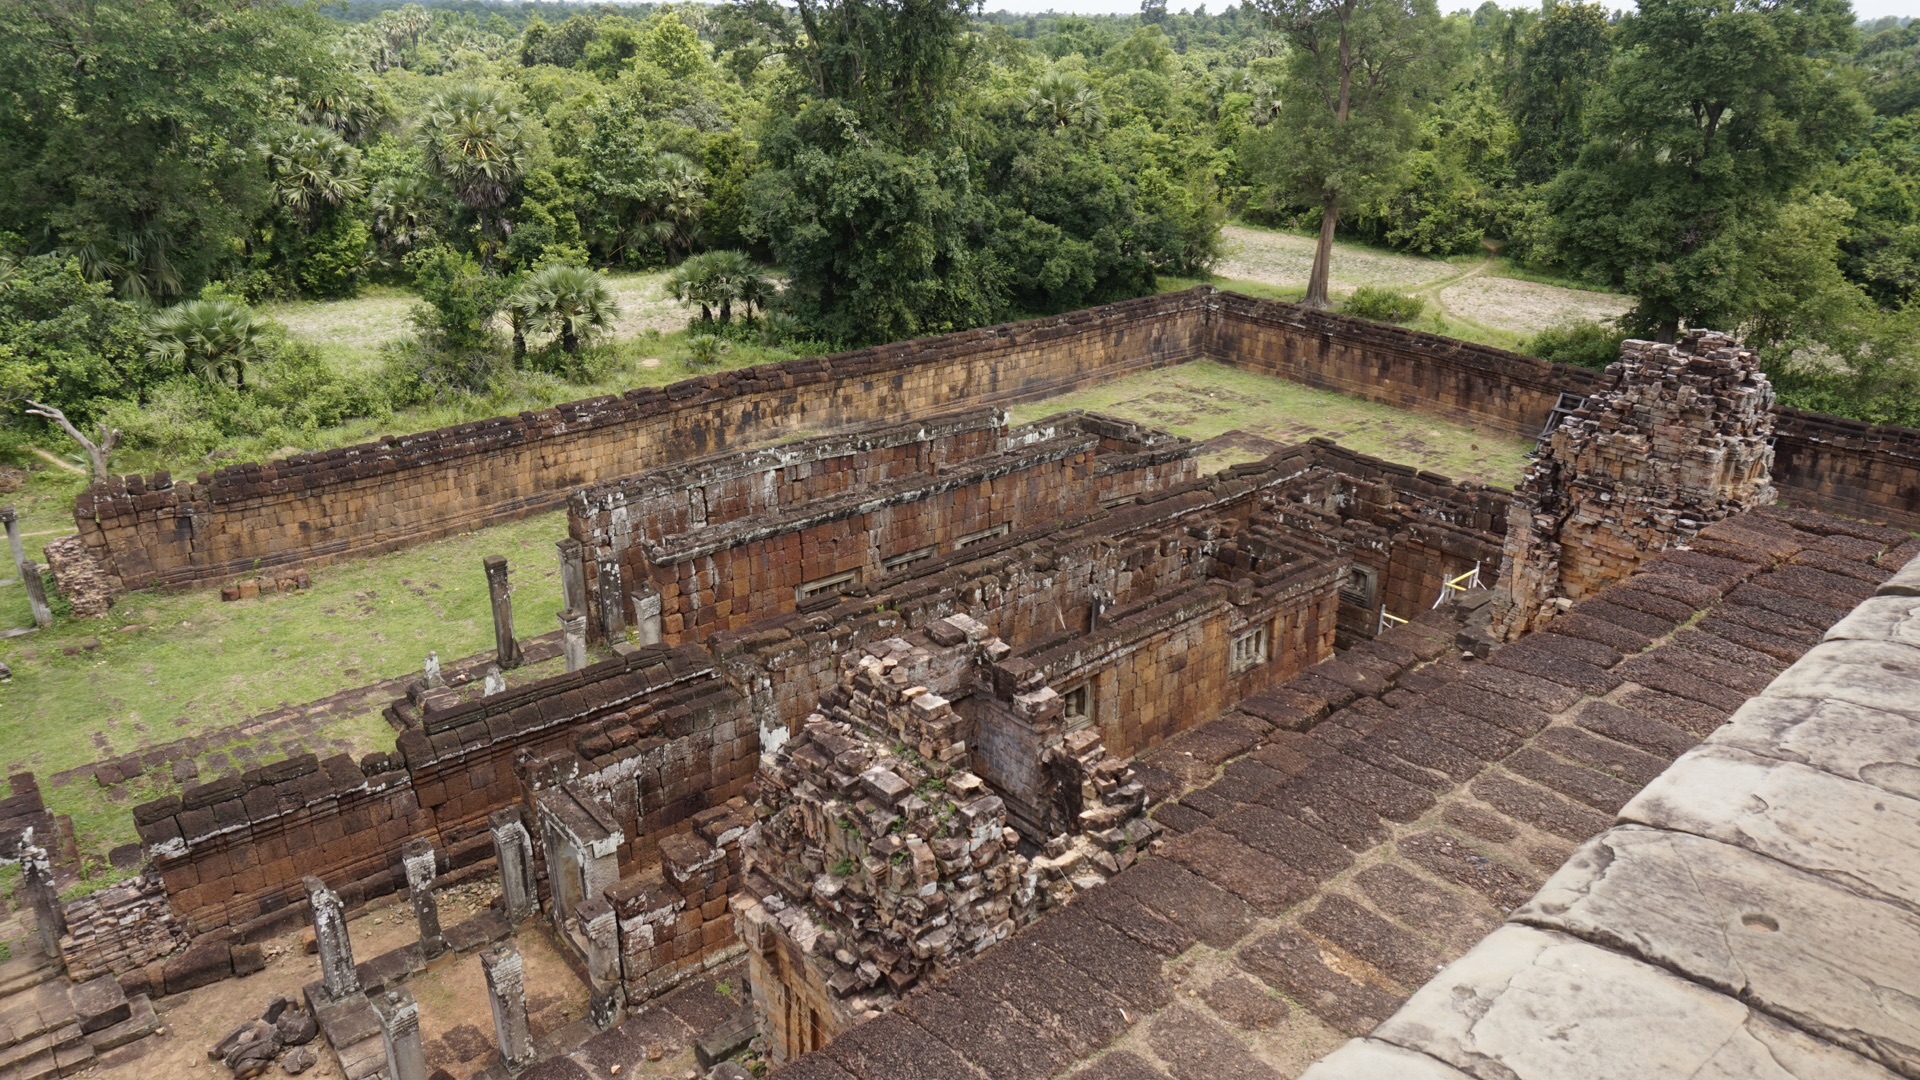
97, 450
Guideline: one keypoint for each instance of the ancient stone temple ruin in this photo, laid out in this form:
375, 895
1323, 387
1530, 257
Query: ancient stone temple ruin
990, 749
880, 857
1680, 438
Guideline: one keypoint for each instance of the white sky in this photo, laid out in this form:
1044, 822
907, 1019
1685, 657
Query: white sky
1866, 9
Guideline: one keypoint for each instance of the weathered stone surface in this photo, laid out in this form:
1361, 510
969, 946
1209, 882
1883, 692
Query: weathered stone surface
1371, 1059
1244, 1003
1904, 582
1782, 940
1611, 1018
1297, 966
1881, 618
1196, 1047
1868, 745
1859, 836
1877, 674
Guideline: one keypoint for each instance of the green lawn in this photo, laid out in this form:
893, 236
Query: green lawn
173, 665
1203, 399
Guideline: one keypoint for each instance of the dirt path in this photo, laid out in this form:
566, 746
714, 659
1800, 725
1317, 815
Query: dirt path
61, 462
1475, 294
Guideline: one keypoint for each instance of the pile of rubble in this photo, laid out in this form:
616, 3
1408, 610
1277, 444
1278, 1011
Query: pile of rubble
882, 858
282, 1033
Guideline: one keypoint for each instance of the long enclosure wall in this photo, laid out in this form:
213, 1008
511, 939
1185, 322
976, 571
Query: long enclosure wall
375, 497
318, 507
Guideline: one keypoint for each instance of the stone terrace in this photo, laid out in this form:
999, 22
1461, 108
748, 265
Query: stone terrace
1343, 837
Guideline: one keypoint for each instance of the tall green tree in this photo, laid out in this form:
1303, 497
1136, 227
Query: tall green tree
1713, 113
1561, 59
476, 144
1356, 71
126, 125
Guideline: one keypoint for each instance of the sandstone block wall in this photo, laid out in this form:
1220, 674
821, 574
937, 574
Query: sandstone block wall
314, 508
232, 852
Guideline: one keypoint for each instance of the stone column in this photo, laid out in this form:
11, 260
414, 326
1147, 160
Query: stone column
337, 973
36, 587
12, 520
598, 926
573, 638
36, 881
646, 615
573, 575
514, 849
400, 1031
505, 647
507, 992
613, 618
417, 859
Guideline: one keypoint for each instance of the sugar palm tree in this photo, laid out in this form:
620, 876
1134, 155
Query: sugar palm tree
719, 279
214, 339
572, 300
475, 141
313, 168
350, 110
1060, 101
403, 212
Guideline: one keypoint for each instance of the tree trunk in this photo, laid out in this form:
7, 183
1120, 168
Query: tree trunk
726, 311
569, 338
97, 452
519, 341
1323, 251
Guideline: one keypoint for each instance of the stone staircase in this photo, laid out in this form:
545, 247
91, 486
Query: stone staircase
51, 1026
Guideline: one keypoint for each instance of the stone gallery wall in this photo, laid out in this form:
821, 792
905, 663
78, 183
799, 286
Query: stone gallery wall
232, 852
359, 500
313, 508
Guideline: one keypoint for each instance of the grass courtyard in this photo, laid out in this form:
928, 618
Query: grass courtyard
1204, 399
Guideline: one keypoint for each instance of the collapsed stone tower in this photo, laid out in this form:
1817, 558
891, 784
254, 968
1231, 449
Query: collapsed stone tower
1681, 438
880, 858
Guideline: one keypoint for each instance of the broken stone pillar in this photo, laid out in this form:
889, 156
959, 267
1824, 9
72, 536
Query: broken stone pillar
11, 518
400, 1031
507, 992
573, 575
613, 619
1680, 438
601, 930
417, 859
432, 677
36, 593
506, 648
337, 973
573, 638
494, 683
514, 849
36, 881
646, 615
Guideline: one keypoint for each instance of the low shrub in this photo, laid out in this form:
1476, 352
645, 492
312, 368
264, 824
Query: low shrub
1584, 344
1383, 305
